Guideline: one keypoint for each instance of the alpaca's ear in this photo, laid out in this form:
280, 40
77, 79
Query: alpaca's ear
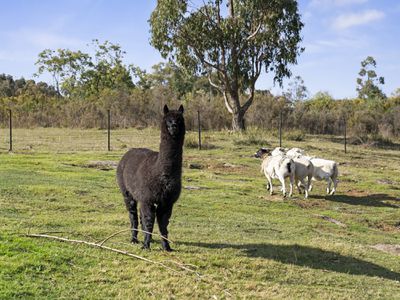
180, 109
166, 110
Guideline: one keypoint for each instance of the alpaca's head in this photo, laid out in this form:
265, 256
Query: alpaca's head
174, 121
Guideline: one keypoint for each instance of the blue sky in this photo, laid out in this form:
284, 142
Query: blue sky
338, 35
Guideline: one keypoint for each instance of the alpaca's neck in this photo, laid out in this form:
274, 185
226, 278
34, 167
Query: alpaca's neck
170, 155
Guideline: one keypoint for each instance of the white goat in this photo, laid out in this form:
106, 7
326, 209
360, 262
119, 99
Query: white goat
323, 169
304, 169
295, 152
279, 167
278, 151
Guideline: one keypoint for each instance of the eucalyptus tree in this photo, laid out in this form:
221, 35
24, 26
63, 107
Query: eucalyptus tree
65, 67
297, 91
368, 82
236, 39
76, 72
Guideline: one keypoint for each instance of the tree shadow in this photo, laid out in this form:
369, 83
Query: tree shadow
307, 257
376, 200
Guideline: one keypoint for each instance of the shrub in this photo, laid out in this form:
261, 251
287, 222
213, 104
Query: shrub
295, 135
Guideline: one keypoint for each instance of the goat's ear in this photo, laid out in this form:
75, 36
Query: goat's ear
180, 109
166, 109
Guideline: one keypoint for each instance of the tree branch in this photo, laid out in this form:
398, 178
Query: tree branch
214, 84
227, 104
102, 247
254, 33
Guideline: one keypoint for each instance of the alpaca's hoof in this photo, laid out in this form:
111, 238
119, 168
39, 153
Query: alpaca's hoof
166, 247
146, 247
135, 241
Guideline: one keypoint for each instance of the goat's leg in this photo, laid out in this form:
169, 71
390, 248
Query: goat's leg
147, 214
305, 188
309, 183
328, 187
131, 206
282, 180
335, 181
291, 182
298, 183
269, 184
163, 214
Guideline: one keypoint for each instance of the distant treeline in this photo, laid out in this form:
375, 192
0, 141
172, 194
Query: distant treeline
37, 104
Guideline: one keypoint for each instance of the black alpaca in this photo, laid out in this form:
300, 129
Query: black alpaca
153, 179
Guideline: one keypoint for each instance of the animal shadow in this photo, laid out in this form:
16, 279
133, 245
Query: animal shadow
307, 257
376, 200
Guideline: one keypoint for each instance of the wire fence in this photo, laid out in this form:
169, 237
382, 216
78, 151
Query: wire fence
69, 139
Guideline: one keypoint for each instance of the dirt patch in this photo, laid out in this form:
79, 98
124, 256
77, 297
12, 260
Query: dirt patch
273, 198
228, 167
307, 204
381, 225
195, 166
392, 249
332, 220
385, 181
357, 193
194, 188
102, 164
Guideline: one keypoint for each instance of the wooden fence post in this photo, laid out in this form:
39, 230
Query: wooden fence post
345, 135
280, 129
11, 141
199, 128
109, 129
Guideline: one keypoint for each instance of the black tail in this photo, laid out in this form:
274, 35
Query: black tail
288, 166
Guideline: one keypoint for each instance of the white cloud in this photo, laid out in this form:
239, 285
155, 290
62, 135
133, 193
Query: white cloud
50, 40
41, 38
335, 44
349, 20
326, 3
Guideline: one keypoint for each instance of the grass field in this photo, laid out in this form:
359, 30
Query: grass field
232, 239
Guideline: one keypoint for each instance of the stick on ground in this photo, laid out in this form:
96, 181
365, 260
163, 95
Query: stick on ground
102, 247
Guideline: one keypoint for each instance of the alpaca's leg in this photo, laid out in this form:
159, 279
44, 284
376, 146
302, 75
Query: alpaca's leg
163, 215
148, 215
131, 205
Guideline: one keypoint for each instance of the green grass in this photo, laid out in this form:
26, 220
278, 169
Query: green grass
244, 242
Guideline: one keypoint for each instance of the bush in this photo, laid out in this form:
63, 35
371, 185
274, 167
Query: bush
251, 137
295, 135
192, 142
371, 140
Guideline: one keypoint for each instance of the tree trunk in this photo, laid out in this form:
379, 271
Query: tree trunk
238, 123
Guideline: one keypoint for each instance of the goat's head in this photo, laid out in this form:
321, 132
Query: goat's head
262, 152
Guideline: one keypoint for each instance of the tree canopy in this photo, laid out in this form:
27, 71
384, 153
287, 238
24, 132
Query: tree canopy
368, 82
237, 44
79, 72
